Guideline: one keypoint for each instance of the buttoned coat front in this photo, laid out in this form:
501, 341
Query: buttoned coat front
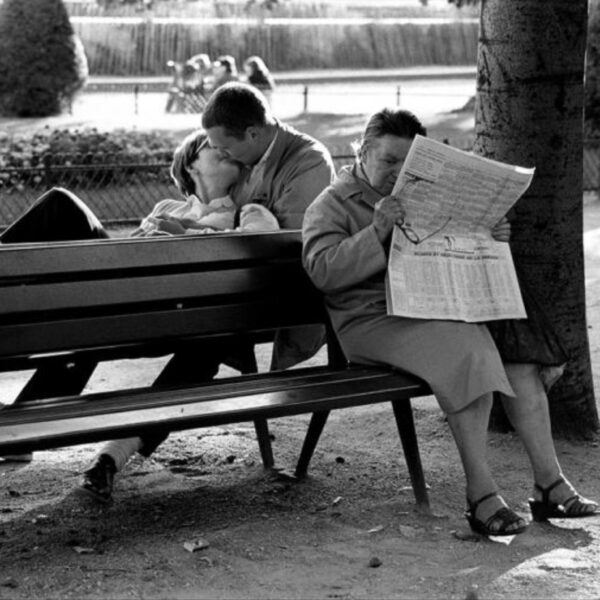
297, 169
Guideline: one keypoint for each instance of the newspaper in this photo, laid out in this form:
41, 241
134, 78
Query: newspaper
444, 263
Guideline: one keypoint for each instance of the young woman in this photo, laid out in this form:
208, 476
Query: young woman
204, 177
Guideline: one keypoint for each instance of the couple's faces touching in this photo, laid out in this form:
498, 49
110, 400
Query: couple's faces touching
382, 160
210, 164
246, 150
219, 162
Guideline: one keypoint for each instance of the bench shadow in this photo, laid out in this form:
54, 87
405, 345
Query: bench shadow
143, 509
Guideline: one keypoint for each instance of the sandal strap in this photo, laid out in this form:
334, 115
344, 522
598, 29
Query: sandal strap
546, 491
570, 500
576, 504
506, 516
473, 505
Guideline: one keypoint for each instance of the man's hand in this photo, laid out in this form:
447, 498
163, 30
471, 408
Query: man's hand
388, 212
501, 230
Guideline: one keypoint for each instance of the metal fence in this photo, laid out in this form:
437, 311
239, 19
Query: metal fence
121, 189
118, 189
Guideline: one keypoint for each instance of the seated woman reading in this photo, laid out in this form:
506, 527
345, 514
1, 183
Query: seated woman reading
346, 236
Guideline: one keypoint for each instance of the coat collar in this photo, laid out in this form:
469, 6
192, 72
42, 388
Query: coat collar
348, 184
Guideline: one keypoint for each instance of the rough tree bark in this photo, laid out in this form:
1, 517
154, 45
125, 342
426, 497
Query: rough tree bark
529, 111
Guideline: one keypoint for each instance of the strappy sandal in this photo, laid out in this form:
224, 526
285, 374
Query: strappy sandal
504, 516
574, 507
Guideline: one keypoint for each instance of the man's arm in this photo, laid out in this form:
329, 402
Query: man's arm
333, 258
299, 185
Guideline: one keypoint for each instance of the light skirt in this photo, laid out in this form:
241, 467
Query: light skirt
458, 360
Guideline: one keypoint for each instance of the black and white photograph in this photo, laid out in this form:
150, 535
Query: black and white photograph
243, 356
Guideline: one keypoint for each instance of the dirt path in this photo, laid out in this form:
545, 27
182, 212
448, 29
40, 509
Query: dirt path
272, 539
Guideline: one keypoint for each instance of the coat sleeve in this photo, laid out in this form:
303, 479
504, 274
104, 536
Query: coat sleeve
304, 181
333, 258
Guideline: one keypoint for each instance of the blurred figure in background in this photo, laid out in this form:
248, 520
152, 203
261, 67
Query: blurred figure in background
224, 70
258, 75
204, 68
191, 85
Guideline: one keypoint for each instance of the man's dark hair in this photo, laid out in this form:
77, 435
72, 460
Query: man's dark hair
398, 122
235, 107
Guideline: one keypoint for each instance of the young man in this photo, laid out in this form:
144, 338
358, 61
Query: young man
284, 171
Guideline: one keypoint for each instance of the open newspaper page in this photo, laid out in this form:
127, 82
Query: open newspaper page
444, 263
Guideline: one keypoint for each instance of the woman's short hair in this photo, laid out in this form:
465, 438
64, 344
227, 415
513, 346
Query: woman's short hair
202, 61
235, 107
183, 157
227, 61
260, 75
398, 122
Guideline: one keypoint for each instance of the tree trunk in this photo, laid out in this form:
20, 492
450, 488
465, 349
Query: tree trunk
529, 112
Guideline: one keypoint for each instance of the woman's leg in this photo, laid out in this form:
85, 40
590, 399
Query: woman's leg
530, 416
194, 363
58, 215
469, 428
97, 480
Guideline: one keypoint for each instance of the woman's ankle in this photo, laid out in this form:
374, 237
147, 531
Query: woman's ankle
554, 488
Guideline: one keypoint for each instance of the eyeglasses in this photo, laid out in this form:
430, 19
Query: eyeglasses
412, 236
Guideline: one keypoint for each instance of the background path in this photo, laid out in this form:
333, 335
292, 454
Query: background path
427, 92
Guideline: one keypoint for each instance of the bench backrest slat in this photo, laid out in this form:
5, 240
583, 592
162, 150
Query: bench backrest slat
111, 291
75, 296
146, 328
47, 259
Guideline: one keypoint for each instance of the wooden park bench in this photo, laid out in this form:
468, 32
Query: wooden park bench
66, 306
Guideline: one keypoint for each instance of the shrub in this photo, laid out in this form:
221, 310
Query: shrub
86, 157
139, 146
42, 63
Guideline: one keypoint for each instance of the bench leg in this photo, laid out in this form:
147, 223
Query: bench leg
57, 378
264, 442
315, 428
406, 428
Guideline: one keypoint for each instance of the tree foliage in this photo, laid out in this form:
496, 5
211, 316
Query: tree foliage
42, 63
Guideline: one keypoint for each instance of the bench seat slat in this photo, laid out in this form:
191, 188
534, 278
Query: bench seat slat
272, 382
204, 406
